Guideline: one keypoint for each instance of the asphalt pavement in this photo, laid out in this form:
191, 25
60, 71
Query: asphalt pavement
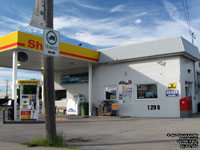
107, 133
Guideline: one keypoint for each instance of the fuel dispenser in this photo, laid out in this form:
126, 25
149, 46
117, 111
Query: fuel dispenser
29, 103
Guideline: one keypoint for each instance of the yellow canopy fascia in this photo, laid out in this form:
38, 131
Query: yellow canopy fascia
33, 42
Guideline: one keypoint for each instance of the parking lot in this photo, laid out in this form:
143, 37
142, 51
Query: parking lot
105, 133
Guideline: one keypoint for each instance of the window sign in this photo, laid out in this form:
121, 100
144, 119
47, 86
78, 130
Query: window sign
125, 92
110, 93
147, 91
171, 86
60, 94
172, 93
74, 78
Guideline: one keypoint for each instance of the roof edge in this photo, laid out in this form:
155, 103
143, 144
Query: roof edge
144, 42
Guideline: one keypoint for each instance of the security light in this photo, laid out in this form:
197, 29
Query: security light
22, 57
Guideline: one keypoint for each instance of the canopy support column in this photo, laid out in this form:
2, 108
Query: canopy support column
14, 85
43, 109
90, 89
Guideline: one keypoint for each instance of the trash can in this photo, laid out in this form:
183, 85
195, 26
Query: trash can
10, 114
95, 111
11, 110
84, 108
198, 107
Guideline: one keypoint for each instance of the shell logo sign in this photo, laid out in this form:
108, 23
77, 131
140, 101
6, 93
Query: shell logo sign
33, 42
172, 86
26, 114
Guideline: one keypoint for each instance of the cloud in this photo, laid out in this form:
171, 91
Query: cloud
3, 83
3, 94
18, 19
10, 25
138, 21
100, 40
6, 74
61, 1
104, 32
117, 8
172, 10
99, 32
2, 33
110, 32
21, 74
175, 15
121, 30
140, 14
81, 4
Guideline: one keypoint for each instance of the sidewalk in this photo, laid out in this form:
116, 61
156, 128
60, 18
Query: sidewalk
16, 146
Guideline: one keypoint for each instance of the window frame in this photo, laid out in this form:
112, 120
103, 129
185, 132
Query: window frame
110, 86
146, 99
60, 90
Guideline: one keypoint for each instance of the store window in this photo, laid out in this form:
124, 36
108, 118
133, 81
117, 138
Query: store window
60, 94
188, 89
110, 93
147, 91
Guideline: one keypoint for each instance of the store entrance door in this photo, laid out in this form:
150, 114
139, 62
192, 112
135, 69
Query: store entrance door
188, 89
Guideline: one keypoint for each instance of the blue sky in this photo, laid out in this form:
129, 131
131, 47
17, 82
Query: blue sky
102, 24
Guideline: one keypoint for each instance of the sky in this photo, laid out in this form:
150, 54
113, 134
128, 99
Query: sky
100, 24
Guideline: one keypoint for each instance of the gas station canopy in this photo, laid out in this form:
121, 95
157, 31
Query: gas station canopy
71, 56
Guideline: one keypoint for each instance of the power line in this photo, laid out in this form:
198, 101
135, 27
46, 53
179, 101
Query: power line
187, 16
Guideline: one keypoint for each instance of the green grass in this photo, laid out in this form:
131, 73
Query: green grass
58, 142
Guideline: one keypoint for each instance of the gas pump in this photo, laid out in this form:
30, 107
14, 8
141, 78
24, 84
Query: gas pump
29, 103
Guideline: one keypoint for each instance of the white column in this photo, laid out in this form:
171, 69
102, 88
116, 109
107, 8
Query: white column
43, 109
37, 101
21, 93
90, 89
14, 85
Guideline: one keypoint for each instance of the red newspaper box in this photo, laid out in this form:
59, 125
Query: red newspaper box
186, 107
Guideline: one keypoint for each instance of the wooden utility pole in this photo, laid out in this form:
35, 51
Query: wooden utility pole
49, 80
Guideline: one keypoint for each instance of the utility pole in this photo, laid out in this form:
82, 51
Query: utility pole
49, 80
193, 37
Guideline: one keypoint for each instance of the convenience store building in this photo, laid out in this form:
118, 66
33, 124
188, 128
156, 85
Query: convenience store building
146, 79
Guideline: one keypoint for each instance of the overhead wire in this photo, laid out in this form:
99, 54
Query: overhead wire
187, 16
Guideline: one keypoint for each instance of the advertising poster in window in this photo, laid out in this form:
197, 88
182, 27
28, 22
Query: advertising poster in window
110, 93
125, 92
147, 91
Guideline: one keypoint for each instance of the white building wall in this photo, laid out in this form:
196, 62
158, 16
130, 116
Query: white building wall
186, 65
141, 72
73, 88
